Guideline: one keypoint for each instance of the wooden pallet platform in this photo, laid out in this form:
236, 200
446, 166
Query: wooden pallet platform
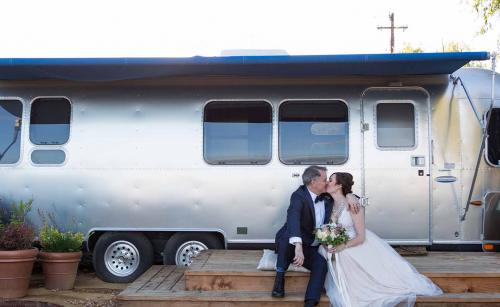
236, 270
230, 278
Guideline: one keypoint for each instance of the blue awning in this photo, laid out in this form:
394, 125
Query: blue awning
108, 69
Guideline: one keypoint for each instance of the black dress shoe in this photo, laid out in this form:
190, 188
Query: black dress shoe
279, 285
310, 303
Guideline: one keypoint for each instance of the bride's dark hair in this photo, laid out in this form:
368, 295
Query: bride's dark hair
346, 180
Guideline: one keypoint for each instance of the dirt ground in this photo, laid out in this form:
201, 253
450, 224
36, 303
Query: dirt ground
89, 290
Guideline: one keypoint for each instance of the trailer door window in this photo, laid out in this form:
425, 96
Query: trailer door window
49, 124
313, 132
395, 125
10, 131
237, 132
493, 143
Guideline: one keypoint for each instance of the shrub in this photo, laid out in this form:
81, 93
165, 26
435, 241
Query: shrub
16, 237
53, 240
15, 231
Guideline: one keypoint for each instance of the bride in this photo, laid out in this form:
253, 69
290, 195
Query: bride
366, 271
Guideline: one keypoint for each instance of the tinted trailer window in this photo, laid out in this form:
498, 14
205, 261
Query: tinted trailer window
10, 131
313, 132
50, 119
237, 132
493, 142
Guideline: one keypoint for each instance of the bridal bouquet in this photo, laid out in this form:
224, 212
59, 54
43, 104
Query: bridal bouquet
332, 235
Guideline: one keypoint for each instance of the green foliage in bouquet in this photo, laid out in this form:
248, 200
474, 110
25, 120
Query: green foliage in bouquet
15, 231
53, 240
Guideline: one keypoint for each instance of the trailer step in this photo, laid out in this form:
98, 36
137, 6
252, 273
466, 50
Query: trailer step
230, 278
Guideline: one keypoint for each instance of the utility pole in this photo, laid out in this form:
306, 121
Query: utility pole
392, 27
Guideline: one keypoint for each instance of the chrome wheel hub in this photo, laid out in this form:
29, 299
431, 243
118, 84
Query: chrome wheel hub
188, 251
122, 258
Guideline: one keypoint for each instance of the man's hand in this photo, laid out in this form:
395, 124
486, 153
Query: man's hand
353, 203
298, 260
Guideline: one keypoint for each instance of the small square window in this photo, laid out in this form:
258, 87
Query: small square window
395, 125
50, 121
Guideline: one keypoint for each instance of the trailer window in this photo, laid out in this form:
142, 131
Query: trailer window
10, 131
49, 124
53, 157
395, 125
313, 132
493, 142
237, 132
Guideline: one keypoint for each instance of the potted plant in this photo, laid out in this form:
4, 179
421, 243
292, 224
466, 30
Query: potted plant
60, 255
17, 254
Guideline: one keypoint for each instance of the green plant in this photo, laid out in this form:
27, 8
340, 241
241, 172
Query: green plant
53, 240
15, 231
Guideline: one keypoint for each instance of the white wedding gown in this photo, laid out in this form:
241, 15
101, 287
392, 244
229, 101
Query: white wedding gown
372, 274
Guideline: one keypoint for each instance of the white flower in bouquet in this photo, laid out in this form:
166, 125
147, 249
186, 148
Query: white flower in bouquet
332, 234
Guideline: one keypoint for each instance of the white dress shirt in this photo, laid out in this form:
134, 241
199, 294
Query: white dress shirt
319, 212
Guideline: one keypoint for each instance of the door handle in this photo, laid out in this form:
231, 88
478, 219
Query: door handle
418, 161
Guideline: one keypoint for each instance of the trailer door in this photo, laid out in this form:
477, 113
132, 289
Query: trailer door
396, 181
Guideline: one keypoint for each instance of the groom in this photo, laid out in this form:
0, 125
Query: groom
295, 242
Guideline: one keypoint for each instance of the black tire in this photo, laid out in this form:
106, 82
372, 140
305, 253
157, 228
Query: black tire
133, 240
177, 240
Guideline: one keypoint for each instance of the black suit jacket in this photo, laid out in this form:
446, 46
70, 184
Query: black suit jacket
301, 219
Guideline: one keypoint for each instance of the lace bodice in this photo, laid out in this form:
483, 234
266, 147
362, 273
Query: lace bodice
343, 217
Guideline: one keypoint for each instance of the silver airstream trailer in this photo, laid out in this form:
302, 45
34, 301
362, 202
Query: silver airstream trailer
160, 158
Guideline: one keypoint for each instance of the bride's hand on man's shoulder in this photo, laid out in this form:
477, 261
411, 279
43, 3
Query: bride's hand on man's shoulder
353, 202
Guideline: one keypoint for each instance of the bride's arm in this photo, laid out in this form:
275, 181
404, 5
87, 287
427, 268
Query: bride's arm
359, 225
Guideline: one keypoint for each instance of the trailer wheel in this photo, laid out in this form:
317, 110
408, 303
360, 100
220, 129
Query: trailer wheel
182, 247
121, 257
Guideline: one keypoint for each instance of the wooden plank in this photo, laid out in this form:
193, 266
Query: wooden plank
435, 262
158, 278
243, 283
180, 285
468, 284
255, 282
139, 282
236, 270
457, 262
462, 298
264, 297
173, 279
220, 296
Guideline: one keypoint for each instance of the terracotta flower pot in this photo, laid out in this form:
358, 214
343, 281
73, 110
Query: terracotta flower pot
59, 269
15, 272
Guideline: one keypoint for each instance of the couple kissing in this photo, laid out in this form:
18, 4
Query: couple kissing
363, 271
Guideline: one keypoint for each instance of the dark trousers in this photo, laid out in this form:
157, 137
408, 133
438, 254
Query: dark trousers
313, 261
